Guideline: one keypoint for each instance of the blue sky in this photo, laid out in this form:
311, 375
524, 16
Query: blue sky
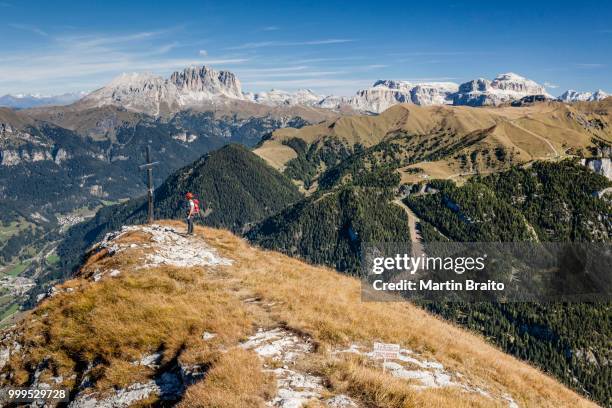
53, 47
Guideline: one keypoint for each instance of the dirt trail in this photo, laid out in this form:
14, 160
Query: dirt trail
555, 152
415, 235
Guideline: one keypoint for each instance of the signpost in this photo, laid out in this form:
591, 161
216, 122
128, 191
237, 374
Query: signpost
386, 351
149, 167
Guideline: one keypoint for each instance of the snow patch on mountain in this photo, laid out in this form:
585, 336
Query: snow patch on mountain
504, 88
575, 96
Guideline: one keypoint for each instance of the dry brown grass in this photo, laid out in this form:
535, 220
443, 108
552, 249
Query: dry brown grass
235, 381
328, 306
118, 320
356, 377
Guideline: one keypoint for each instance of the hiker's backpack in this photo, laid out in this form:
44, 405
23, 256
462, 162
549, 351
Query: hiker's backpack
196, 206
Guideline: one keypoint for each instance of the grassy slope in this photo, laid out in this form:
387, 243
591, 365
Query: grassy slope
118, 320
541, 131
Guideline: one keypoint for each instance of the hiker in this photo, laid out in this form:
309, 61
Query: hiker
193, 210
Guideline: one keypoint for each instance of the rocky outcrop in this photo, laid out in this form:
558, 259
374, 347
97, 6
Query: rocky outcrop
5, 129
16, 156
61, 155
531, 99
9, 158
602, 165
199, 83
167, 386
13, 157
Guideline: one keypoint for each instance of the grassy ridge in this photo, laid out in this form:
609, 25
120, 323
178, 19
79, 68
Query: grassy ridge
97, 328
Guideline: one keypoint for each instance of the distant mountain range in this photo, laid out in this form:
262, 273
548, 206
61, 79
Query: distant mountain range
21, 101
575, 96
197, 86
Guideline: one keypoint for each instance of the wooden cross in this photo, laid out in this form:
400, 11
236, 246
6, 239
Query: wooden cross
149, 167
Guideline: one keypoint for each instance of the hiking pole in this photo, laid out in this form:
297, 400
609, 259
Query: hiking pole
149, 167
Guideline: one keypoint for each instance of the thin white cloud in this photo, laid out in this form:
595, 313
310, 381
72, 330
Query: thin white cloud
71, 63
435, 53
270, 28
263, 44
328, 59
297, 74
322, 86
590, 65
429, 79
275, 69
310, 82
203, 53
164, 49
30, 28
550, 85
88, 41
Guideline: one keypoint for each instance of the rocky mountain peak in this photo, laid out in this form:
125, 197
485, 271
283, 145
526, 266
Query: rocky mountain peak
206, 80
514, 82
153, 94
503, 88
